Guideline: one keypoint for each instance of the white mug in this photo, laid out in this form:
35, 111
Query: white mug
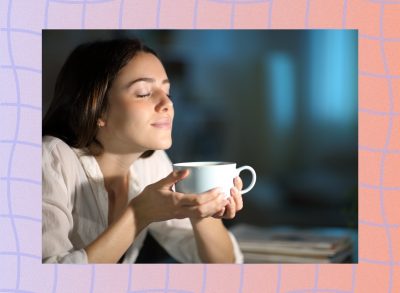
208, 175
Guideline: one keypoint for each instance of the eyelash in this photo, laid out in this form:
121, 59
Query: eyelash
143, 96
147, 95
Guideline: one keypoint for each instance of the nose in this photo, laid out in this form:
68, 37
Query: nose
164, 103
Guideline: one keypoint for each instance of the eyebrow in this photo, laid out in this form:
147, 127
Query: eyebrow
146, 79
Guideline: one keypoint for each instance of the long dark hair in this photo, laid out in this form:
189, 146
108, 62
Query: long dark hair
81, 90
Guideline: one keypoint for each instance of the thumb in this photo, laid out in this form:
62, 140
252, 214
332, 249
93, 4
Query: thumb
172, 178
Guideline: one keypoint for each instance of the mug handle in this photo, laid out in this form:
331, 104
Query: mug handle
253, 179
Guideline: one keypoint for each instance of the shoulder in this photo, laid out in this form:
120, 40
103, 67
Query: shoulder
51, 144
58, 154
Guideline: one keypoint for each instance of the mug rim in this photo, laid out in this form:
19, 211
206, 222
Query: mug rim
203, 164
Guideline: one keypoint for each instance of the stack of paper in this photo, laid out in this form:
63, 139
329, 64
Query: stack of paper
264, 245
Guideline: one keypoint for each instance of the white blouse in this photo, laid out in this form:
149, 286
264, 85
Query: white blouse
75, 207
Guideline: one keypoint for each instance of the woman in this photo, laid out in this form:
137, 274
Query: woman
106, 179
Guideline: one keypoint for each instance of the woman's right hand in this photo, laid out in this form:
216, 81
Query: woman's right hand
158, 202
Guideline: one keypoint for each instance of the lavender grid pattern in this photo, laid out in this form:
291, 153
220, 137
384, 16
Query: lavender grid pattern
21, 24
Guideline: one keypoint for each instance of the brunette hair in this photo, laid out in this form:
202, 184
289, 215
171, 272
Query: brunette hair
81, 90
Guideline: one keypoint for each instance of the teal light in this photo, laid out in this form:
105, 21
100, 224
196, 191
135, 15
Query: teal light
333, 76
281, 89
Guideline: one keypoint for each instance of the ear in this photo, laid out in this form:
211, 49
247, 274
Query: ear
101, 122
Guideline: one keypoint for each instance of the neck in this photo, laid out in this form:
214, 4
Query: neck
115, 169
114, 160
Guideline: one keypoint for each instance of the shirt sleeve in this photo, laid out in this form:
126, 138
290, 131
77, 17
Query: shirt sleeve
57, 221
177, 238
177, 235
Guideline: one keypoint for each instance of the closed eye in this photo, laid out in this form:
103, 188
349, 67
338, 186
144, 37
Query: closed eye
143, 96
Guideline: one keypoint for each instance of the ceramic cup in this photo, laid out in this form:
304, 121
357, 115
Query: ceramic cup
208, 175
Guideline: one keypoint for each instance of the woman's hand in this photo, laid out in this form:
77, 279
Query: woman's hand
158, 202
235, 201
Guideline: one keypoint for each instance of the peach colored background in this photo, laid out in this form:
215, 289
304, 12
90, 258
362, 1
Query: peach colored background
378, 23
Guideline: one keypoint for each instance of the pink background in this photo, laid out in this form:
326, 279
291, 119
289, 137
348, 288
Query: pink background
21, 22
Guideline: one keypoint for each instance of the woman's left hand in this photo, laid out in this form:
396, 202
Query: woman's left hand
235, 201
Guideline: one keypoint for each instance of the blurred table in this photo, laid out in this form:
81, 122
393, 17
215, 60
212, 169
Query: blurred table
285, 244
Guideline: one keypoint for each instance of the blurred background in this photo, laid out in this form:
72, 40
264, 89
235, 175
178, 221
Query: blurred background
281, 101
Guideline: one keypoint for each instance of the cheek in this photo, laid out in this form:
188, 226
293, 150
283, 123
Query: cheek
119, 115
135, 113
134, 107
127, 113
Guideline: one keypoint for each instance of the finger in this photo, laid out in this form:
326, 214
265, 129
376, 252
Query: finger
230, 210
219, 214
210, 208
200, 199
172, 178
237, 197
238, 183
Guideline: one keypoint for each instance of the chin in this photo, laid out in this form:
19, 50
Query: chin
165, 147
161, 145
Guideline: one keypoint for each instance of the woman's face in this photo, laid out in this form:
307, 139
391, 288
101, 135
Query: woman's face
140, 113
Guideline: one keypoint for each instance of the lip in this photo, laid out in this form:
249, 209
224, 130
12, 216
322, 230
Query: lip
163, 123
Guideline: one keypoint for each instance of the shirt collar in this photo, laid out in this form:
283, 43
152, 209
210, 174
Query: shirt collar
93, 171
